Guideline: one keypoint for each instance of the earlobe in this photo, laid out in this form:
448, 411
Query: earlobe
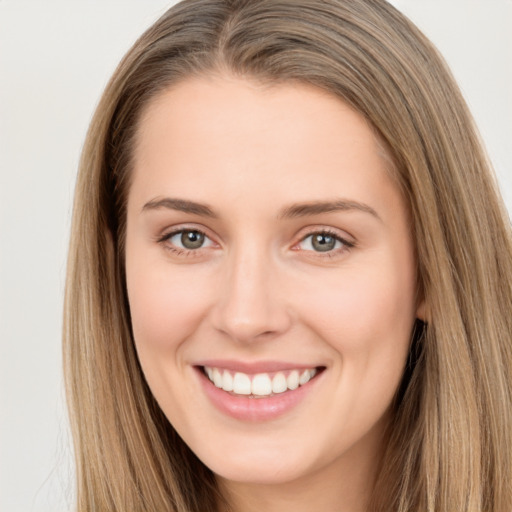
423, 312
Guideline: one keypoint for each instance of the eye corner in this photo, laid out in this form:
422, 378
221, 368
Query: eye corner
180, 247
336, 247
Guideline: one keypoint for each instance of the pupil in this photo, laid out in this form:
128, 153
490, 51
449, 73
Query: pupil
192, 239
323, 243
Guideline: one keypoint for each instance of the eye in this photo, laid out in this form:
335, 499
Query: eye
324, 241
186, 240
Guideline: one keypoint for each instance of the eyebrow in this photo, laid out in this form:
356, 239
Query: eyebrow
318, 207
290, 212
181, 205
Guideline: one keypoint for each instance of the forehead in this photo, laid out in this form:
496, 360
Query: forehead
207, 102
223, 135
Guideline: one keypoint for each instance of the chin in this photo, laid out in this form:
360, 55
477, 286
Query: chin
261, 465
261, 472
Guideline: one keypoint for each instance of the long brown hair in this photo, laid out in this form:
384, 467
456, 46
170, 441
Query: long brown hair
450, 443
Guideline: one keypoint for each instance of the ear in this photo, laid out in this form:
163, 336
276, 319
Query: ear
422, 312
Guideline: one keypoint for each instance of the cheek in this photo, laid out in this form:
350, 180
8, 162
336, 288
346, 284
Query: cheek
363, 307
368, 323
165, 306
366, 315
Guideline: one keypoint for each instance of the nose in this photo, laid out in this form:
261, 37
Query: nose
251, 303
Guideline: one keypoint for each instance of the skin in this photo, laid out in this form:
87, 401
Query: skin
259, 290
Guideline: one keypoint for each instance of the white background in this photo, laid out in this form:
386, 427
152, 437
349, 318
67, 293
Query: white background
55, 59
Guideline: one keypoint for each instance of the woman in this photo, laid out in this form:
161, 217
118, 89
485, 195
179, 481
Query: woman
290, 275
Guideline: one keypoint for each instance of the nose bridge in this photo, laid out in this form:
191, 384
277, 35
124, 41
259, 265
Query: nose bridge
250, 304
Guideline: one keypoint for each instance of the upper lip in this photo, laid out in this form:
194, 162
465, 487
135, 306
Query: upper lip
254, 366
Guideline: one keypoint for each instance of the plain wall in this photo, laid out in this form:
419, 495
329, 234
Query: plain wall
55, 59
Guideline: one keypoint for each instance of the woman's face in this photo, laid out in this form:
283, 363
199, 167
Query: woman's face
269, 250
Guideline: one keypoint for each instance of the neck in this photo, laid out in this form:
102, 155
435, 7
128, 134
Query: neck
316, 494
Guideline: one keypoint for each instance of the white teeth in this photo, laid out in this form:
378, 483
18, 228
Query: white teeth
293, 380
279, 383
304, 377
227, 381
217, 378
260, 384
241, 384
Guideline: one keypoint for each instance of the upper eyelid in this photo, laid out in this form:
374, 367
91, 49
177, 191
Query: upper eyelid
170, 232
335, 232
347, 244
328, 233
164, 240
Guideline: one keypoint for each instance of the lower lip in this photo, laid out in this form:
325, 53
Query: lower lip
249, 409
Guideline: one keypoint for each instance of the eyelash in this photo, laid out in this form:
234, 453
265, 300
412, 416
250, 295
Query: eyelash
347, 246
164, 240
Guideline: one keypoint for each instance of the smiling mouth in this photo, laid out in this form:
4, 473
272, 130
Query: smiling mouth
260, 385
